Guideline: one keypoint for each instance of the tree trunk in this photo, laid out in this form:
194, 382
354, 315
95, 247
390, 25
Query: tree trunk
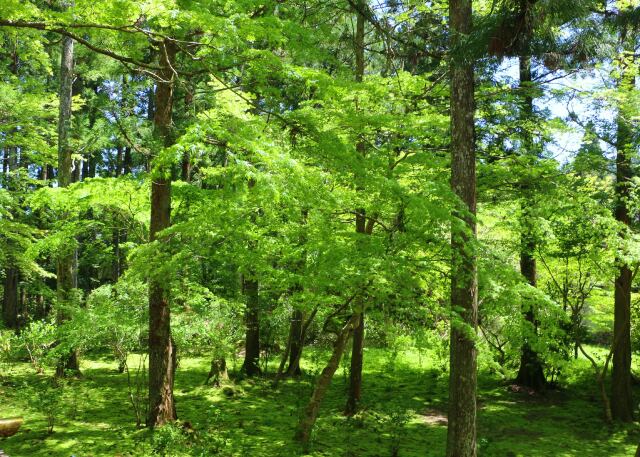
530, 373
250, 289
127, 162
10, 292
295, 343
10, 298
461, 433
355, 378
64, 116
118, 164
621, 394
251, 366
303, 433
355, 373
66, 268
162, 350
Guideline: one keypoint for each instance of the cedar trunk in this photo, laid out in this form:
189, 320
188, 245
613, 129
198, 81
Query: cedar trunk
10, 298
250, 288
251, 366
65, 263
621, 395
461, 433
10, 293
530, 373
355, 373
355, 378
162, 350
296, 343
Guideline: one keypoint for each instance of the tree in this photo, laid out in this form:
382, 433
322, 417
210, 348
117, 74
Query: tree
621, 394
530, 372
67, 279
355, 374
461, 432
162, 349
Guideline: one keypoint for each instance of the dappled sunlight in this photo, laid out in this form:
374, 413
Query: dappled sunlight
257, 419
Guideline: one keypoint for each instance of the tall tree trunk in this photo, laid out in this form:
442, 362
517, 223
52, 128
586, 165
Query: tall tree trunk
10, 298
127, 163
621, 394
298, 326
295, 343
162, 350
530, 373
355, 375
251, 366
355, 372
461, 433
10, 305
118, 165
303, 433
10, 292
250, 289
66, 268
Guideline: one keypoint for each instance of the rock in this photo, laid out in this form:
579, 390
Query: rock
9, 427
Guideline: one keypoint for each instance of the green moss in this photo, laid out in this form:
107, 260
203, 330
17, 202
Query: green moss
404, 406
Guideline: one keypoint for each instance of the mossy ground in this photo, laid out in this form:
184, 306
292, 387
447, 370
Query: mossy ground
404, 406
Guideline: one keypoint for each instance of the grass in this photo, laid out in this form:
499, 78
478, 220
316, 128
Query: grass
404, 406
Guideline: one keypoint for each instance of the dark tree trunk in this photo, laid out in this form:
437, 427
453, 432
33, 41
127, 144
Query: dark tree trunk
116, 266
5, 165
66, 268
23, 307
185, 168
303, 433
10, 298
355, 373
251, 365
461, 433
10, 293
85, 168
162, 350
295, 343
621, 394
530, 373
355, 378
127, 163
118, 164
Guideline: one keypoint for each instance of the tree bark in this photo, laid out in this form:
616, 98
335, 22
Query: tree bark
303, 433
355, 377
355, 372
66, 261
10, 308
295, 343
127, 161
461, 433
162, 350
251, 366
530, 373
10, 298
621, 394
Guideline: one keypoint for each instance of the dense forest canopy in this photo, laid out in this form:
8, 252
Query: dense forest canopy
319, 227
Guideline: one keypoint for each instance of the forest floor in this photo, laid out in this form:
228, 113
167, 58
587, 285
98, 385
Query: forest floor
404, 409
